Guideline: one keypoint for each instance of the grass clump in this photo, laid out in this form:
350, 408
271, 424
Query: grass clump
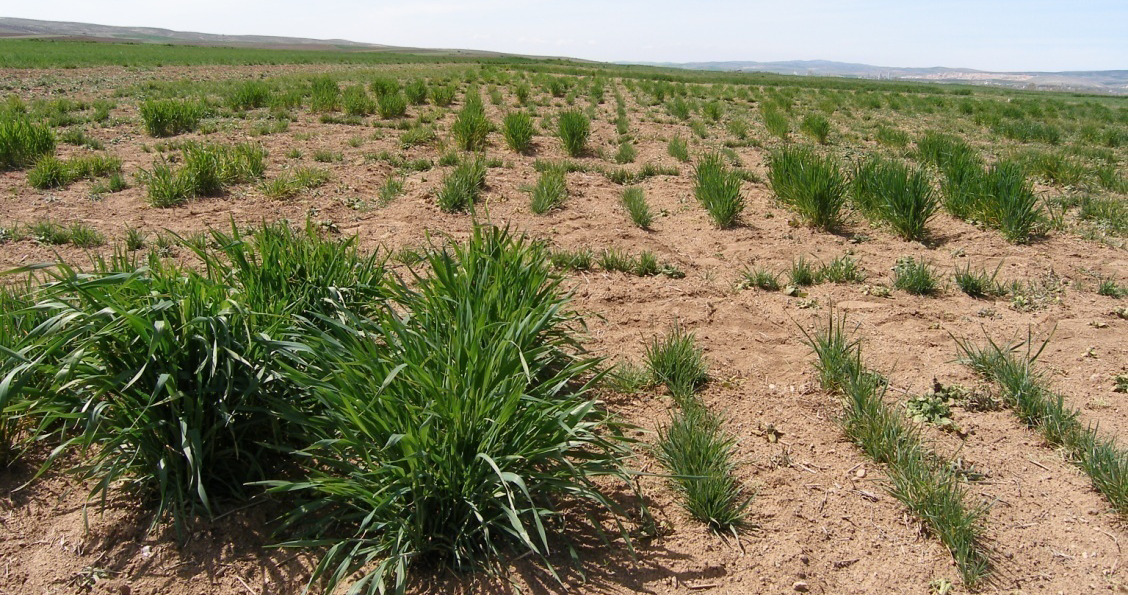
775, 121
391, 105
699, 455
816, 126
415, 91
717, 188
462, 186
249, 95
574, 128
676, 361
572, 260
811, 185
170, 117
634, 201
518, 130
442, 95
23, 143
920, 479
471, 127
802, 273
979, 283
678, 148
1011, 205
549, 192
760, 278
626, 153
455, 458
844, 269
915, 276
207, 170
892, 192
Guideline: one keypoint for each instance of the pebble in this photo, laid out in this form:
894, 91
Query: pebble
801, 587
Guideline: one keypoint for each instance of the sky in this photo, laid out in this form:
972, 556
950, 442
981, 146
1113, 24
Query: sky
998, 35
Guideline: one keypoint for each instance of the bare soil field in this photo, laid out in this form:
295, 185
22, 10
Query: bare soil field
821, 517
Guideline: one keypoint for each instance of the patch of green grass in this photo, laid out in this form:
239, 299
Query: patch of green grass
1109, 214
356, 102
775, 121
896, 194
23, 143
134, 239
518, 130
50, 232
699, 454
391, 105
391, 189
678, 149
416, 91
915, 276
676, 361
844, 269
443, 95
920, 479
1011, 204
634, 201
573, 128
49, 172
1108, 287
802, 273
462, 186
327, 156
549, 192
85, 236
811, 185
416, 136
626, 153
891, 137
1027, 392
249, 95
170, 117
415, 504
471, 127
760, 278
816, 126
940, 149
979, 284
718, 190
572, 260
326, 95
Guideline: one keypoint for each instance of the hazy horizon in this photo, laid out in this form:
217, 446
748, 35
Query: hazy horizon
1001, 35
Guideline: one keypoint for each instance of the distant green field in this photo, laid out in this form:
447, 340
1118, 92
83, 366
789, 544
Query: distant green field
51, 53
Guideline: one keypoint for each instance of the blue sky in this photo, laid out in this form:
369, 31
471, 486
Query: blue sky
985, 34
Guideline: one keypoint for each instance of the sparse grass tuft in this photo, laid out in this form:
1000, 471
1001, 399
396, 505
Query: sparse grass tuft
170, 117
549, 192
979, 284
634, 201
816, 126
462, 186
676, 361
678, 149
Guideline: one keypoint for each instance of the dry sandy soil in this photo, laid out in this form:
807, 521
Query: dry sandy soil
822, 518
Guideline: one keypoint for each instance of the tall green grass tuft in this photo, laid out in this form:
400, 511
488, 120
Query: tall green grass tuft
717, 188
391, 105
453, 454
811, 185
775, 121
416, 91
678, 149
816, 126
574, 128
170, 117
676, 361
471, 127
207, 170
698, 454
1011, 204
518, 130
249, 95
892, 192
462, 186
549, 192
23, 143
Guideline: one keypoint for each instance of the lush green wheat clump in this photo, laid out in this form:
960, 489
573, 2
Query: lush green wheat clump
518, 130
207, 170
416, 91
678, 149
249, 95
170, 117
775, 121
718, 189
462, 186
357, 102
472, 126
816, 126
894, 193
574, 128
23, 143
392, 105
676, 361
1011, 205
458, 453
549, 192
915, 276
443, 95
811, 185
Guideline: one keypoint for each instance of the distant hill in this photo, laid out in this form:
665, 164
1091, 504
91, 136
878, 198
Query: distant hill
13, 27
1114, 81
